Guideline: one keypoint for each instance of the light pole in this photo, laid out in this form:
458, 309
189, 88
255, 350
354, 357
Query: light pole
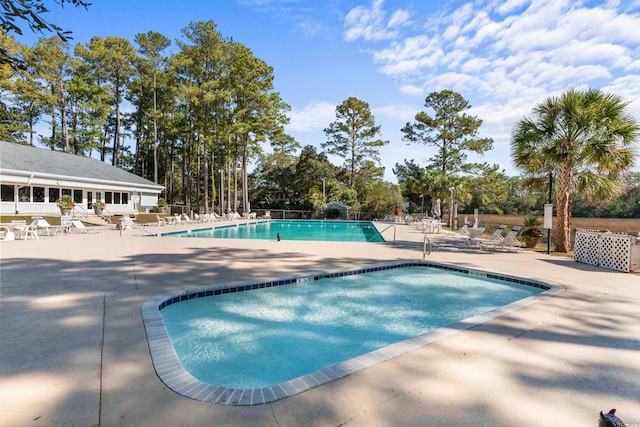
324, 198
422, 206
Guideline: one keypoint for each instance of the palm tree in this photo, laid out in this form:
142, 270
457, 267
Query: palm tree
586, 138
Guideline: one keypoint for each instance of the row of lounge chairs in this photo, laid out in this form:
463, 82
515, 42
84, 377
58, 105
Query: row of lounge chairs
20, 230
179, 219
497, 241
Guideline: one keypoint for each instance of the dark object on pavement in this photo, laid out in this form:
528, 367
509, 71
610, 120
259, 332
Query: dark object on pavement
610, 420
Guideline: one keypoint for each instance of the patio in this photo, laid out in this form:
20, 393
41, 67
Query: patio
74, 350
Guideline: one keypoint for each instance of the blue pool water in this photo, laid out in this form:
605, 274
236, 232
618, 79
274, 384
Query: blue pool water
333, 231
269, 335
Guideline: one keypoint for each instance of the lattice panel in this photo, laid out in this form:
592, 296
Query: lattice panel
606, 250
586, 248
615, 252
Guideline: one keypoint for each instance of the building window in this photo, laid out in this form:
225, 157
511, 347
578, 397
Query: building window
38, 194
116, 198
66, 192
54, 195
108, 197
24, 194
8, 192
125, 198
77, 196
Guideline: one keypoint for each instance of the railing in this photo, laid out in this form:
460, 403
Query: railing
427, 242
394, 232
82, 211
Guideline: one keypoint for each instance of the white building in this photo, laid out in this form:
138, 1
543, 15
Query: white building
33, 179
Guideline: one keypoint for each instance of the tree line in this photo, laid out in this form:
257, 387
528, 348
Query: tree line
198, 116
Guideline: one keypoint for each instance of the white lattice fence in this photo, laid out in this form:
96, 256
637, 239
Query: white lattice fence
605, 249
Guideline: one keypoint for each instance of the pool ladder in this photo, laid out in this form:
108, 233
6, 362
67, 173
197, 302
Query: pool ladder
427, 244
394, 232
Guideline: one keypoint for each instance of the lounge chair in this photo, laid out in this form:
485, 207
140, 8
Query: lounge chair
126, 223
186, 218
161, 221
510, 241
496, 236
267, 215
42, 223
176, 220
76, 223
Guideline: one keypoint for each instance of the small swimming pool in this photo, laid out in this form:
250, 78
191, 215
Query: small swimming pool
223, 344
328, 231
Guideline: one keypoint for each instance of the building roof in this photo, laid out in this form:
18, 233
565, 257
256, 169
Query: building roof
26, 158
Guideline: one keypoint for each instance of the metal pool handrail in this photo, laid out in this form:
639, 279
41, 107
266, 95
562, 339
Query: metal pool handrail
424, 248
394, 232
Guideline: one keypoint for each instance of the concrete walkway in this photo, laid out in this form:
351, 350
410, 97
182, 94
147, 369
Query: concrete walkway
73, 349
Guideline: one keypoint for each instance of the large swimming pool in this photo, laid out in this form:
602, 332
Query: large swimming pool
223, 344
331, 231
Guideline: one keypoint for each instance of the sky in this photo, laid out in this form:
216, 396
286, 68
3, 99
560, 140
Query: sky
503, 56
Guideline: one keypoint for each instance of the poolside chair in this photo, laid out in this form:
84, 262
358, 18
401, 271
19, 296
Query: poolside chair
22, 231
496, 236
267, 215
6, 233
186, 218
176, 220
510, 241
42, 223
161, 221
126, 223
78, 225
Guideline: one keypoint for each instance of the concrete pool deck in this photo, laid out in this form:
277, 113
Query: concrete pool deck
73, 349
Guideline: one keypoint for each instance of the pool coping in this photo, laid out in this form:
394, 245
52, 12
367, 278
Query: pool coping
173, 375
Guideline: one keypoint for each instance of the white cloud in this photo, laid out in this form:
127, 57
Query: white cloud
369, 23
507, 56
314, 117
411, 90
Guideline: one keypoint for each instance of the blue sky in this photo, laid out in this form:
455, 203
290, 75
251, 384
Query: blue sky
504, 56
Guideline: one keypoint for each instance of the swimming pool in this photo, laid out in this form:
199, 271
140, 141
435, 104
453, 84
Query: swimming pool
172, 372
318, 230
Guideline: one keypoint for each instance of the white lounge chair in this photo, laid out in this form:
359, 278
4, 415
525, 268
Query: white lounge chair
77, 224
496, 236
510, 241
126, 223
176, 220
267, 215
186, 218
42, 223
